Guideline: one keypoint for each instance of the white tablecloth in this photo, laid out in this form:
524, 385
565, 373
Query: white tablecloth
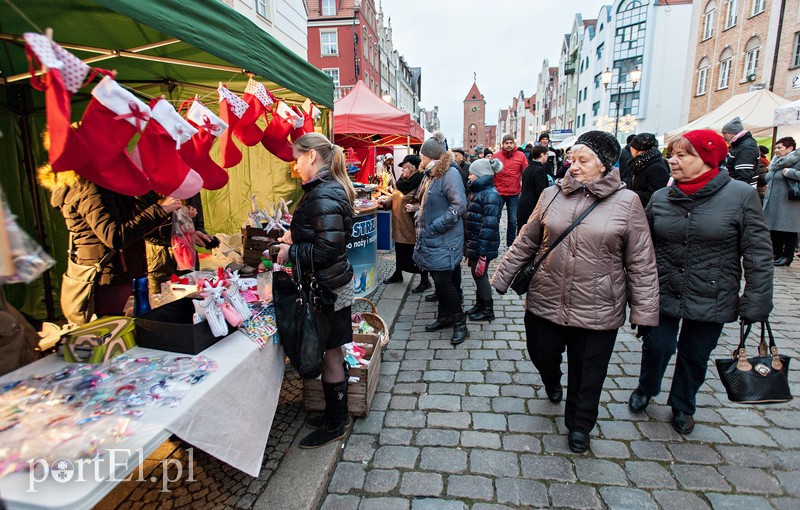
229, 416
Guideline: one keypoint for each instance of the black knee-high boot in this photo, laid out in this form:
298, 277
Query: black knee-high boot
335, 419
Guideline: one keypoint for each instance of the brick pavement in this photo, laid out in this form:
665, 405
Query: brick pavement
471, 427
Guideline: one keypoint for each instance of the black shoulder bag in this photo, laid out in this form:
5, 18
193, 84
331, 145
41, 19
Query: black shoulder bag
304, 316
762, 379
522, 280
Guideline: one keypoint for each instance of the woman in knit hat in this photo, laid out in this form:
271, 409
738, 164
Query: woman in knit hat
578, 296
705, 228
440, 233
482, 236
648, 169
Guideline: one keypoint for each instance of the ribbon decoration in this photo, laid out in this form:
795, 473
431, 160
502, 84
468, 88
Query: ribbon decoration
135, 113
208, 125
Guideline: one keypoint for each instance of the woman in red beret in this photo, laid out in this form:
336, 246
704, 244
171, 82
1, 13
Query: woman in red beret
705, 228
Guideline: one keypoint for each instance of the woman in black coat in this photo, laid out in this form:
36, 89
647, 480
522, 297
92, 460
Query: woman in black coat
706, 228
321, 227
648, 169
482, 232
534, 181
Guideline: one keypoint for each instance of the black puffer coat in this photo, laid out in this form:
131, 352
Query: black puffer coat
649, 172
482, 220
323, 220
101, 220
702, 241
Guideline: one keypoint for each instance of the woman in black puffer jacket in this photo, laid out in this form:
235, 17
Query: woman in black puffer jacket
482, 234
317, 242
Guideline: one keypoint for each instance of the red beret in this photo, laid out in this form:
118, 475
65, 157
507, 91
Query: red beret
710, 146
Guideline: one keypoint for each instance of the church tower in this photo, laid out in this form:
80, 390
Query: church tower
474, 118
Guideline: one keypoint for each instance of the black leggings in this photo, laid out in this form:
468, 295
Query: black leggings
783, 243
449, 299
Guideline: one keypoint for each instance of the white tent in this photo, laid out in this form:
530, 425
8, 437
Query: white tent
788, 114
754, 108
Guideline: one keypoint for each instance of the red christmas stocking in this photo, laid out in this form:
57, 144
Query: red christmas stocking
158, 150
297, 117
311, 114
231, 110
196, 152
64, 76
276, 136
259, 101
113, 117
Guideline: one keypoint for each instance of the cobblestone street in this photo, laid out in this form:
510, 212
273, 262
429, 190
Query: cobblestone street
471, 427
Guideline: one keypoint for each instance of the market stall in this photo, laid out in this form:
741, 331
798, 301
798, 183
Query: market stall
177, 48
364, 123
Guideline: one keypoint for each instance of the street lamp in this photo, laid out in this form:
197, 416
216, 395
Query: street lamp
635, 75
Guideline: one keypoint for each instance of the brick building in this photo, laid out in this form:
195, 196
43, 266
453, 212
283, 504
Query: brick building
732, 54
474, 118
490, 137
786, 77
343, 41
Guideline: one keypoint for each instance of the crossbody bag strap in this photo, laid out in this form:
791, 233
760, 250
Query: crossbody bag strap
565, 234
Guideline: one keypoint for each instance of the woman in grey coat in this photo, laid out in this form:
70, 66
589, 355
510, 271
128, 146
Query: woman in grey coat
706, 228
440, 233
783, 215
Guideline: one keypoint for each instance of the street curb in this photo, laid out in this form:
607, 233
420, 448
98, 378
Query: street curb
301, 481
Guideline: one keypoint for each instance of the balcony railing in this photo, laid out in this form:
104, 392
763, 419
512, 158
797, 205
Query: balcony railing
340, 92
569, 67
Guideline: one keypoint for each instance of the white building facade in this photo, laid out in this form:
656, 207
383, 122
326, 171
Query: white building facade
285, 20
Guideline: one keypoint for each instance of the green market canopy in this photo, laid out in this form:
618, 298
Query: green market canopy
176, 48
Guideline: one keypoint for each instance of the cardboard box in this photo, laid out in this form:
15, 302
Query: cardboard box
359, 394
170, 328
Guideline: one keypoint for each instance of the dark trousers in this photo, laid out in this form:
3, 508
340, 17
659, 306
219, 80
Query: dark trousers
783, 243
449, 299
694, 345
588, 354
457, 280
483, 289
512, 203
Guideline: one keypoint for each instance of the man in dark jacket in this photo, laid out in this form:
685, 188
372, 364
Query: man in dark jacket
648, 169
625, 156
554, 159
743, 154
534, 181
462, 164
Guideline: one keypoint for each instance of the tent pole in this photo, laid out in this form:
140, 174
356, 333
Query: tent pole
774, 137
30, 169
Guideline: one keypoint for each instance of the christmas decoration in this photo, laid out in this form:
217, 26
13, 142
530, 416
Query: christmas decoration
276, 135
196, 152
258, 101
231, 110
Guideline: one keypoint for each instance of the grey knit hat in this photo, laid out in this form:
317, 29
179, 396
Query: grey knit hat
605, 145
434, 146
485, 166
644, 142
733, 127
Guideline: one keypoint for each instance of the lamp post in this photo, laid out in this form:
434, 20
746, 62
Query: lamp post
635, 75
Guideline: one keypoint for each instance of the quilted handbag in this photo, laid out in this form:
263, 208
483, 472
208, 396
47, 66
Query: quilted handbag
761, 379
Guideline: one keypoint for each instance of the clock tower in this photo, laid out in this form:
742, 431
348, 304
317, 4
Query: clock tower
474, 119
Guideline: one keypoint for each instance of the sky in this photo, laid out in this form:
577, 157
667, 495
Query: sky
503, 41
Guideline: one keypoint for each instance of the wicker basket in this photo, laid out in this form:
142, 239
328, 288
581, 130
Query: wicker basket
377, 322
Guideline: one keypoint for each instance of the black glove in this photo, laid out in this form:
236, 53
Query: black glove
642, 331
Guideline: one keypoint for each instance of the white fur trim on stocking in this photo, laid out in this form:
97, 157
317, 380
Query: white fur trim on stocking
235, 103
199, 113
180, 130
284, 111
297, 118
311, 109
258, 90
111, 95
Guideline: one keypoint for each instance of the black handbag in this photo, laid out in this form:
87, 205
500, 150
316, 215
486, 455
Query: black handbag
762, 379
794, 189
522, 280
304, 316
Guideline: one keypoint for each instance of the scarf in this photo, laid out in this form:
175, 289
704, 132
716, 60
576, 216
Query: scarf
643, 159
698, 183
787, 161
406, 186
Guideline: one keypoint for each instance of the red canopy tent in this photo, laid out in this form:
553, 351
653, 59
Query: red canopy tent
364, 121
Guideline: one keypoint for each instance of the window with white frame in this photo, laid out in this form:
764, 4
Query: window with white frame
796, 50
702, 77
758, 7
329, 7
334, 74
731, 15
261, 8
752, 50
329, 42
725, 69
708, 20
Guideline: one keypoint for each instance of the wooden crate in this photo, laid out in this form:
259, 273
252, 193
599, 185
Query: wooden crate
359, 394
